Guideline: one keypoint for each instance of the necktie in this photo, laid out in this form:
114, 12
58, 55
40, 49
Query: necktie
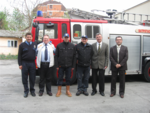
45, 52
118, 49
99, 48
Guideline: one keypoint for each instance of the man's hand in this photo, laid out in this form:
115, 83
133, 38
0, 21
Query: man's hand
105, 67
118, 65
57, 68
20, 67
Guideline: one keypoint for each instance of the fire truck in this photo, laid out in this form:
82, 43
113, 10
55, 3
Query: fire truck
135, 37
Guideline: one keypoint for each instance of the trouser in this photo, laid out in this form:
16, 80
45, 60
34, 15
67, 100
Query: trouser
28, 68
83, 74
45, 77
121, 79
61, 71
100, 78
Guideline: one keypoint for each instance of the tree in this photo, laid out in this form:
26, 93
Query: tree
27, 9
3, 20
17, 20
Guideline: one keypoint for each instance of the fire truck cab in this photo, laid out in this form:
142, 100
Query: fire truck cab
135, 37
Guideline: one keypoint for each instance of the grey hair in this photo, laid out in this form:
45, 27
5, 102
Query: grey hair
98, 34
118, 37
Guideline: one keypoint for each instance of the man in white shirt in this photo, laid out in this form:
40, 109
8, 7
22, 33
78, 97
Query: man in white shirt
45, 62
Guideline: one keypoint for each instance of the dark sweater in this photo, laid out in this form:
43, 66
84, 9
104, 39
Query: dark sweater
26, 52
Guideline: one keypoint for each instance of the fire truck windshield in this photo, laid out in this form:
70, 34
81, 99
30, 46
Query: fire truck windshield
43, 29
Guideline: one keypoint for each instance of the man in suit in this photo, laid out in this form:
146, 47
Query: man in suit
118, 58
99, 64
45, 62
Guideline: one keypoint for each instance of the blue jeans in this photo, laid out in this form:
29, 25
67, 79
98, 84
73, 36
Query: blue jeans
83, 74
61, 71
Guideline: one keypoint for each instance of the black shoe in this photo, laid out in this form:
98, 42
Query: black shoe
78, 93
93, 93
33, 94
121, 96
25, 95
49, 93
40, 93
102, 93
85, 93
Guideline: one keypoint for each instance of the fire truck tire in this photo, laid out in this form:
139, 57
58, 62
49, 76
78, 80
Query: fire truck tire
55, 78
147, 72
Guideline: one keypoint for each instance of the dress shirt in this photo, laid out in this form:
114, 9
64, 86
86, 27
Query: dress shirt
118, 50
98, 45
28, 43
43, 54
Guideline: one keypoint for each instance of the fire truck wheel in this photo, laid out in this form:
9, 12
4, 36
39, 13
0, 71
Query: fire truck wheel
147, 72
55, 76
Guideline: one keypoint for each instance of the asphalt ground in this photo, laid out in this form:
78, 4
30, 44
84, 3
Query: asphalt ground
136, 100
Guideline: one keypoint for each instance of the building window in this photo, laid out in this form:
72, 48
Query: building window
77, 31
91, 31
51, 6
50, 13
12, 43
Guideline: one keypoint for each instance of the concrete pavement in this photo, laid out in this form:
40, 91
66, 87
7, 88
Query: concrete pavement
137, 96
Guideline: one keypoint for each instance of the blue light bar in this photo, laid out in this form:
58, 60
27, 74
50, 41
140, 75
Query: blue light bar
39, 14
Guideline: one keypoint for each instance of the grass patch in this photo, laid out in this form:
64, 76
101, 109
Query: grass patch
8, 57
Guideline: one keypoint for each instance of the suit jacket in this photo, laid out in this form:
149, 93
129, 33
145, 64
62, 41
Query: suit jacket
100, 60
123, 57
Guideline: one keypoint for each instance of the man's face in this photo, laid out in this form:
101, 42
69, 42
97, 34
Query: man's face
99, 38
84, 40
66, 39
46, 39
119, 41
28, 38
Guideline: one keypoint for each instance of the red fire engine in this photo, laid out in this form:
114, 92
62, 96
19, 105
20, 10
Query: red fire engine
135, 37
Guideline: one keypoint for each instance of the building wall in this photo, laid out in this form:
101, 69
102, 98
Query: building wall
141, 9
4, 49
55, 11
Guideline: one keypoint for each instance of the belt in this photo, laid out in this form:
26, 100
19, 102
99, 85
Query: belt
44, 62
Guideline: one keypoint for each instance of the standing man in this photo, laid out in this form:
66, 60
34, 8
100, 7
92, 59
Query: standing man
118, 58
84, 55
99, 64
65, 62
26, 61
45, 62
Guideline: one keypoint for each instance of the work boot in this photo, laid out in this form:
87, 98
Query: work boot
68, 92
59, 91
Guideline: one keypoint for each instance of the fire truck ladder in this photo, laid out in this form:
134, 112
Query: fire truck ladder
86, 15
126, 18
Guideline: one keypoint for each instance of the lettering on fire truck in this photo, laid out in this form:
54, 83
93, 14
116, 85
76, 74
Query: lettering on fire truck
142, 31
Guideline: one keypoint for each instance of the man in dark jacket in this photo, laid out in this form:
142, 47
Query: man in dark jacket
118, 58
65, 62
26, 61
84, 55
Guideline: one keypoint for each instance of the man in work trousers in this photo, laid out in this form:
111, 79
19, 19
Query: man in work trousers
118, 58
65, 62
99, 64
84, 55
26, 61
45, 62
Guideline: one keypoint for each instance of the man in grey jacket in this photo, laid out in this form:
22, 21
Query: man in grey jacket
99, 64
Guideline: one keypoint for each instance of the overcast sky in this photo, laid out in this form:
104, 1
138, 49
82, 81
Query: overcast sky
88, 5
